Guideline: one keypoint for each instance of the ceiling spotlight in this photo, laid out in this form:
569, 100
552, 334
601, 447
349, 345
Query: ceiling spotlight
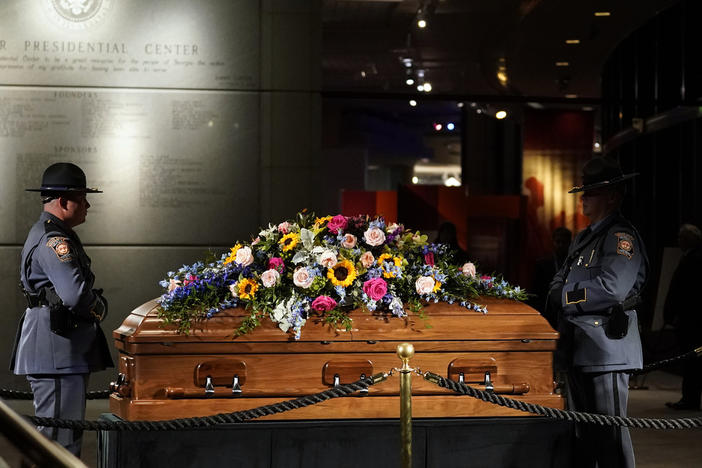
438, 127
415, 179
501, 114
562, 64
459, 104
427, 87
409, 81
479, 111
420, 87
407, 62
597, 145
363, 74
421, 18
602, 13
450, 126
413, 103
572, 41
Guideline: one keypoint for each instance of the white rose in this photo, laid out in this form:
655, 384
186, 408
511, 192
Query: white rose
244, 256
367, 259
234, 289
424, 284
302, 278
374, 236
393, 227
349, 241
468, 269
328, 259
270, 278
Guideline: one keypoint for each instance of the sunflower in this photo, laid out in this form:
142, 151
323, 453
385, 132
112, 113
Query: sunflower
342, 274
289, 241
397, 261
247, 288
232, 254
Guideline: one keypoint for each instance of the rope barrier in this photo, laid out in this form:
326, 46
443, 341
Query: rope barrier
665, 362
207, 421
589, 418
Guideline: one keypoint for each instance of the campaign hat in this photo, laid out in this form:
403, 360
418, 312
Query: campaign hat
63, 177
601, 172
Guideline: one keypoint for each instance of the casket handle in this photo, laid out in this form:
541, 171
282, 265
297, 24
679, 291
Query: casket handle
340, 372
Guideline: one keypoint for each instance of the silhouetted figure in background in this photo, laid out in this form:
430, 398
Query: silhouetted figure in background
545, 269
682, 310
447, 235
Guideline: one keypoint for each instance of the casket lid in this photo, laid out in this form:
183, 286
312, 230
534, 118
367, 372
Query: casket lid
506, 320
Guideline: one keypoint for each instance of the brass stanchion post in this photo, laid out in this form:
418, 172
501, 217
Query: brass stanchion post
405, 351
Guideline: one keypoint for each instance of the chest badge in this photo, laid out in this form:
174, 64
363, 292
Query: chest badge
580, 260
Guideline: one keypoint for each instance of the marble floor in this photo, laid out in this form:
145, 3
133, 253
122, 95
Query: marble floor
653, 448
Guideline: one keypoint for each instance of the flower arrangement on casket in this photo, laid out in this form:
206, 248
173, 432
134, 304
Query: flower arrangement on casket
326, 267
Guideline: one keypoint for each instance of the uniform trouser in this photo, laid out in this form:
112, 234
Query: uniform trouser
60, 396
602, 393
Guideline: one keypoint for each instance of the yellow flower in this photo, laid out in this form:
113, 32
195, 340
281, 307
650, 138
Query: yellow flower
397, 261
437, 285
342, 274
232, 254
289, 241
247, 288
321, 221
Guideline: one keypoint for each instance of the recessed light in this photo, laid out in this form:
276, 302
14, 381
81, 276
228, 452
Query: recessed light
409, 81
501, 114
572, 41
427, 87
562, 64
413, 103
602, 13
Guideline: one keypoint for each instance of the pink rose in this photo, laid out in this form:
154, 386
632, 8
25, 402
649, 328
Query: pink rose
277, 264
424, 284
328, 259
189, 279
302, 278
284, 227
270, 278
323, 304
244, 256
375, 288
367, 259
337, 223
374, 237
468, 269
349, 241
429, 258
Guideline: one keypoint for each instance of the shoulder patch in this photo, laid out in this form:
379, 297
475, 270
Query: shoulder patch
625, 244
61, 248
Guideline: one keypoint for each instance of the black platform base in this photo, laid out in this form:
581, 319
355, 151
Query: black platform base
476, 442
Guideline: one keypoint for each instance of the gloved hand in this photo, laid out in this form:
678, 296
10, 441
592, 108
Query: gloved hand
100, 307
554, 300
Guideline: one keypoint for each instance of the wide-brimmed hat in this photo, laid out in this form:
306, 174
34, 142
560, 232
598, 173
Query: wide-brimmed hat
601, 172
64, 177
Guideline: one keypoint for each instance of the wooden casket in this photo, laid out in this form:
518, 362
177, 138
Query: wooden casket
165, 375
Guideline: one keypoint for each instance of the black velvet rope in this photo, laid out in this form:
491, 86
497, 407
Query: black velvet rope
589, 418
207, 421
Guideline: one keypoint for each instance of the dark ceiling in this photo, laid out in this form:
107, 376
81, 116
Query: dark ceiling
467, 42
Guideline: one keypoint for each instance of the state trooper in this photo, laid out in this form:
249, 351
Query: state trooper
59, 340
594, 294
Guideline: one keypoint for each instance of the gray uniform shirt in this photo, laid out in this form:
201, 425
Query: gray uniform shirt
606, 265
53, 256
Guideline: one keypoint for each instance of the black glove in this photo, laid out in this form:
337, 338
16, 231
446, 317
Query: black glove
554, 303
100, 307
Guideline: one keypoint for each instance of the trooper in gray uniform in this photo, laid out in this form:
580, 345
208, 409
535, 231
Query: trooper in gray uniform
59, 340
594, 294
